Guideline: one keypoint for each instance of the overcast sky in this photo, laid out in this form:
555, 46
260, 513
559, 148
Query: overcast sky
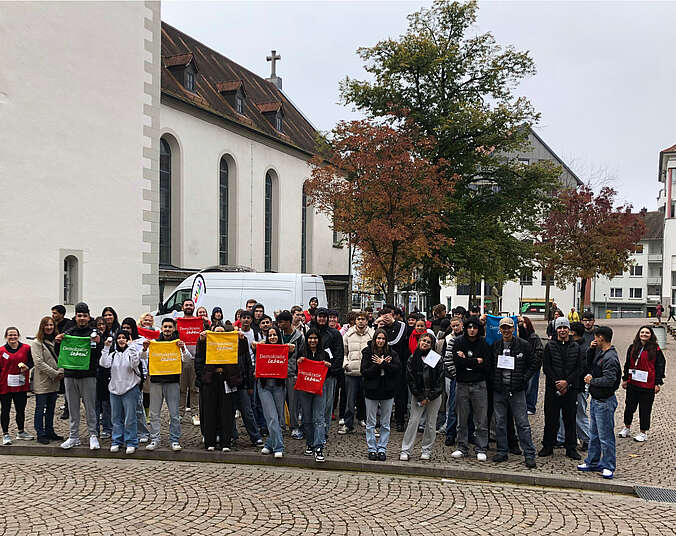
605, 85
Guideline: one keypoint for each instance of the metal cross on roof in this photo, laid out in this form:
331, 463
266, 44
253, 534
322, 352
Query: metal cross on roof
273, 58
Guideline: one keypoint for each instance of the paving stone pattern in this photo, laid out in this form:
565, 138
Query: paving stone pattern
71, 496
652, 463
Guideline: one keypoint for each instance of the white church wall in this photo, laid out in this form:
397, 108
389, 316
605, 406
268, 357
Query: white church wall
73, 154
202, 143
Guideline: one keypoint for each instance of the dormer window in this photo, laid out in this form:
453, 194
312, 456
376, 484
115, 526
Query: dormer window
189, 80
234, 93
184, 69
273, 112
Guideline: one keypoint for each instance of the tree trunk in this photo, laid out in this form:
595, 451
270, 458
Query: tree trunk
389, 296
583, 293
434, 286
547, 305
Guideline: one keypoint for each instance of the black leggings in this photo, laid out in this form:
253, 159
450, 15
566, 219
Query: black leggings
643, 399
19, 408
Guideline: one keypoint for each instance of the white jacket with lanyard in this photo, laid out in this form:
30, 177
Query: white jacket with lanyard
124, 368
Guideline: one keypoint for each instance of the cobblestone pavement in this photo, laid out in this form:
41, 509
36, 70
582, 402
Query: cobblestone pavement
651, 463
67, 496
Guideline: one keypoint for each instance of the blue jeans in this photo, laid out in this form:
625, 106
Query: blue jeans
532, 392
371, 415
516, 400
242, 402
581, 420
171, 393
451, 417
602, 433
103, 416
141, 426
314, 419
123, 409
257, 409
328, 394
272, 400
353, 387
44, 415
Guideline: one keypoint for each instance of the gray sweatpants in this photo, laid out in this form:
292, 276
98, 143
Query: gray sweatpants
81, 389
430, 411
472, 397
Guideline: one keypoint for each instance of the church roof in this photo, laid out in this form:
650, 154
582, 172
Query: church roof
216, 73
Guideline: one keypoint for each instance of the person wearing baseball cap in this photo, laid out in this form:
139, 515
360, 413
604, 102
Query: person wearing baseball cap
562, 365
512, 366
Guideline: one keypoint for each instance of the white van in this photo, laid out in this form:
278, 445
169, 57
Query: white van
231, 290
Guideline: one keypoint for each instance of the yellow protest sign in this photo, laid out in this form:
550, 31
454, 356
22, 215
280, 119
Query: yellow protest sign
222, 348
164, 358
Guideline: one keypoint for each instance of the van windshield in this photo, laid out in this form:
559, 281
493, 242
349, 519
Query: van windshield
175, 301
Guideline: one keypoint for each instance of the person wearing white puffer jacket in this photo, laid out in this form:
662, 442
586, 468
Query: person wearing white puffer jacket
354, 341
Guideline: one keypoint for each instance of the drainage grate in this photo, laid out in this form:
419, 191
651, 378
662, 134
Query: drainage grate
656, 494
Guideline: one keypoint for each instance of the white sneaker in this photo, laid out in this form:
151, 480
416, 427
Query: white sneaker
211, 448
130, 450
265, 451
143, 439
457, 454
403, 456
641, 437
94, 443
195, 420
24, 435
625, 432
187, 409
279, 454
6, 440
176, 447
362, 424
115, 448
341, 422
152, 445
425, 456
226, 449
70, 443
481, 456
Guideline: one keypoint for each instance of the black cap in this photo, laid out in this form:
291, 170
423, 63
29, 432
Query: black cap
82, 307
322, 311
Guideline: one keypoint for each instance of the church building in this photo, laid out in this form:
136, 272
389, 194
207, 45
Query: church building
132, 155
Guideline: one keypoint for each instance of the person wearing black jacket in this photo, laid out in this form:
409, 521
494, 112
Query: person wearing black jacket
217, 385
472, 357
398, 341
166, 388
512, 366
332, 343
380, 369
81, 384
562, 365
425, 379
314, 419
603, 377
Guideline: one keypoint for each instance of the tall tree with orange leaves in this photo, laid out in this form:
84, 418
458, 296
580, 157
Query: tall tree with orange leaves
378, 187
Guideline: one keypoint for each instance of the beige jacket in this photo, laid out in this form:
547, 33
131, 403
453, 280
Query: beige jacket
353, 344
45, 370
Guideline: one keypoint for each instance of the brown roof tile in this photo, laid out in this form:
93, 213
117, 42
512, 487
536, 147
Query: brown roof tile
226, 87
215, 70
654, 225
179, 60
267, 107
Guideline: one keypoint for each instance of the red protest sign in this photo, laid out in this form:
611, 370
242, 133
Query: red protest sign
272, 360
149, 334
189, 329
311, 376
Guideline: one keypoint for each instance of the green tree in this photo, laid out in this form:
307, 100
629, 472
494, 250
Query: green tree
460, 90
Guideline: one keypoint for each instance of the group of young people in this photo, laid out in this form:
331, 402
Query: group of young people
386, 368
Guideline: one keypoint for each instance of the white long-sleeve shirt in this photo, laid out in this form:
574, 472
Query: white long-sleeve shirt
123, 368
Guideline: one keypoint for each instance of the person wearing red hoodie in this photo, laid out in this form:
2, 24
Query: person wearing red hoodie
15, 363
419, 328
643, 375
